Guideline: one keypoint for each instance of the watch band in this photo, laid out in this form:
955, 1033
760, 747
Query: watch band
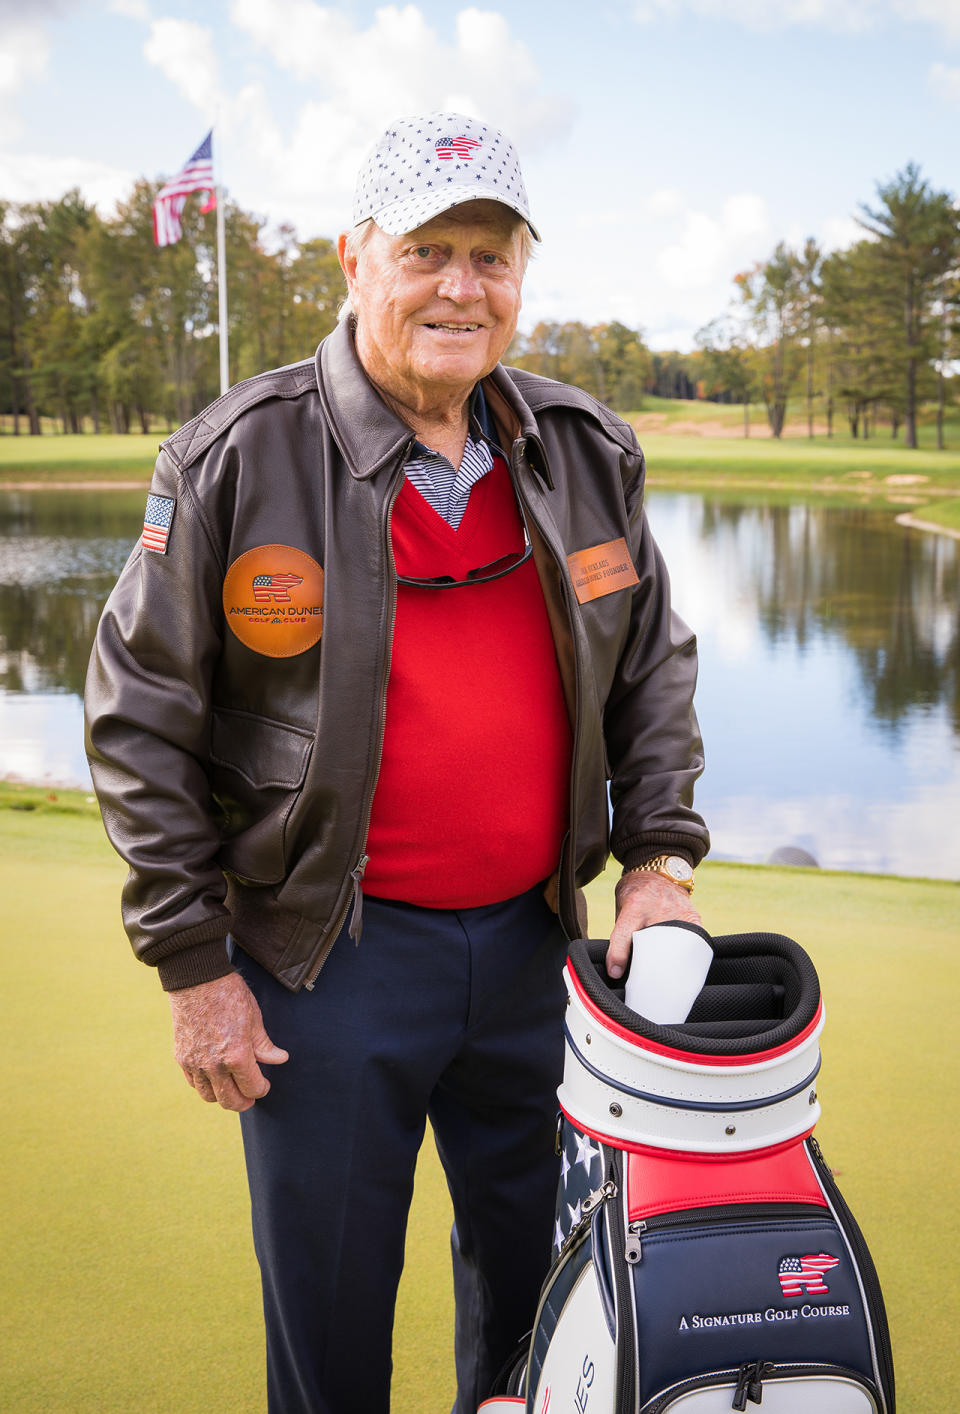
669, 866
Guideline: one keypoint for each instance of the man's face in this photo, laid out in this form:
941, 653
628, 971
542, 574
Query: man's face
437, 308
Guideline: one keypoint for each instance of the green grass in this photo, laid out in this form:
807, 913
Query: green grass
943, 513
130, 1284
841, 468
78, 457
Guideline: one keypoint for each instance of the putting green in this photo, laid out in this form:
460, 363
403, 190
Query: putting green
130, 1283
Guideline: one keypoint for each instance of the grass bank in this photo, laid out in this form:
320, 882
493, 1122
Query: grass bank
78, 458
130, 1282
843, 469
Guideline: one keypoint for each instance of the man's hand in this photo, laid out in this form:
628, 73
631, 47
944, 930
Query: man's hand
218, 1040
644, 899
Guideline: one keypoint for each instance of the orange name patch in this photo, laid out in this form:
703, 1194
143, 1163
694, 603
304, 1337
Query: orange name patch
601, 570
273, 600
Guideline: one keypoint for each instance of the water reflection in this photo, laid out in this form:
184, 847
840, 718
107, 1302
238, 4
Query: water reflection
829, 679
829, 687
60, 554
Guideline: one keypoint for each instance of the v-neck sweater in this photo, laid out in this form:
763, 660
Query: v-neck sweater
471, 801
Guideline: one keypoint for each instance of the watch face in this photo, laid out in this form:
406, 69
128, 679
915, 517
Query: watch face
679, 868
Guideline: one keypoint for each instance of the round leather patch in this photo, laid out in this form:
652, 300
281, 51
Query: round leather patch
273, 600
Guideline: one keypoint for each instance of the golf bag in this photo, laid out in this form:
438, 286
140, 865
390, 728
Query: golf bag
704, 1258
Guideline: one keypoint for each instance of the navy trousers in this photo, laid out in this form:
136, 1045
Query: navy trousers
452, 1014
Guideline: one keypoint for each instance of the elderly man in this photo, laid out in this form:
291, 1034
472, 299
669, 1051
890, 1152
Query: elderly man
395, 622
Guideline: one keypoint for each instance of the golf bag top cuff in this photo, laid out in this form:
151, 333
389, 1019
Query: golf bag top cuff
684, 1087
761, 993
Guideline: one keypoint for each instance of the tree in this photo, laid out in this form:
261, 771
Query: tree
808, 267
728, 362
773, 294
917, 243
609, 360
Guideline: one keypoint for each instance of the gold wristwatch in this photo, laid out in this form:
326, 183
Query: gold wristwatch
671, 866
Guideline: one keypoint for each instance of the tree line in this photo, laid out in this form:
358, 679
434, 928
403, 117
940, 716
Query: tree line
100, 327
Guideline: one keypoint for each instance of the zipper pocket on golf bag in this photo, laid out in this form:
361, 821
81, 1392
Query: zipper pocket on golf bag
782, 1389
718, 1289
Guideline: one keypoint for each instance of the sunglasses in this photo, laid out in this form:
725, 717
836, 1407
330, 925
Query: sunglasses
496, 569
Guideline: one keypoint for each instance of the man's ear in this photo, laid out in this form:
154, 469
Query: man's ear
347, 259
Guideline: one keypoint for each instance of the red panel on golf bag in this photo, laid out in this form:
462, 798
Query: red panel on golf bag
663, 1182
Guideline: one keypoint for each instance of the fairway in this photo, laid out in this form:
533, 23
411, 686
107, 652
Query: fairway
130, 1282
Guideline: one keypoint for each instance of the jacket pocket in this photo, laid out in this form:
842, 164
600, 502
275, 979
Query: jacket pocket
257, 768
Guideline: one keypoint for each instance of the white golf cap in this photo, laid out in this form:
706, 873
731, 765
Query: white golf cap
422, 166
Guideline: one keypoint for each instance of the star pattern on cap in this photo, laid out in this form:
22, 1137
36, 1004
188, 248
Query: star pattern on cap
393, 185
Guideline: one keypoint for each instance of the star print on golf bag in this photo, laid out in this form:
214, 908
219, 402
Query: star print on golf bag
580, 1176
703, 1255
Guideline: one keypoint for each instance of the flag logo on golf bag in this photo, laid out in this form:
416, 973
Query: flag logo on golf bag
805, 1274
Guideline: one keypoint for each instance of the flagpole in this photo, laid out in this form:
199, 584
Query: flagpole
222, 292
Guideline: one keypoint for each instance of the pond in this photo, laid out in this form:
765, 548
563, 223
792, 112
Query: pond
829, 691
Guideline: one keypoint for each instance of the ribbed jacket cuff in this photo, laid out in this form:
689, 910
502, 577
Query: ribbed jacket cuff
194, 966
635, 853
194, 956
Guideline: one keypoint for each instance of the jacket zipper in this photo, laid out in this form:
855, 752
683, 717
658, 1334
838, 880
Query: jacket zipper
578, 699
876, 1315
356, 874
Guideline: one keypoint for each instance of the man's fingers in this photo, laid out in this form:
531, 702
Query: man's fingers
267, 1053
200, 1083
219, 1038
618, 953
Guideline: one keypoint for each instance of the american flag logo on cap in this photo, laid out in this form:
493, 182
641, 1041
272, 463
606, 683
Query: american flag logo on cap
448, 147
157, 521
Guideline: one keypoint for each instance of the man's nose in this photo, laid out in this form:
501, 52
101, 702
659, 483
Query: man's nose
460, 282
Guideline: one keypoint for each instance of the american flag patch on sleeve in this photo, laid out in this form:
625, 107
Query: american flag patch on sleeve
157, 522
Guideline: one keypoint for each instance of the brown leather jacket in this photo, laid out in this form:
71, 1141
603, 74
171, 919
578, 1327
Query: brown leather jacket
237, 786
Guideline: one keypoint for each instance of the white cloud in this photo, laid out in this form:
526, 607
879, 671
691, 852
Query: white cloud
24, 51
400, 64
185, 53
33, 177
710, 246
945, 82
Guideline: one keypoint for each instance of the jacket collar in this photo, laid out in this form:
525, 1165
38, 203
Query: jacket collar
368, 433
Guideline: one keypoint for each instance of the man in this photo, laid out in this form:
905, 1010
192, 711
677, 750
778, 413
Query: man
396, 620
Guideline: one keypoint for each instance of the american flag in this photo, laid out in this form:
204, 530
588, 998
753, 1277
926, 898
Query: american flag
457, 147
197, 175
806, 1273
274, 588
157, 521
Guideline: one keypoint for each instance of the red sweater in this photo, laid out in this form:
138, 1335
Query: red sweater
472, 797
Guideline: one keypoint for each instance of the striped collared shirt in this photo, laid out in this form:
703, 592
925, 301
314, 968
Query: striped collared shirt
446, 487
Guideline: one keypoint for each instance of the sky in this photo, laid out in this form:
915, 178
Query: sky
667, 145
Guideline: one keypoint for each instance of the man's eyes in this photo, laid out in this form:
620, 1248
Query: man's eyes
429, 252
